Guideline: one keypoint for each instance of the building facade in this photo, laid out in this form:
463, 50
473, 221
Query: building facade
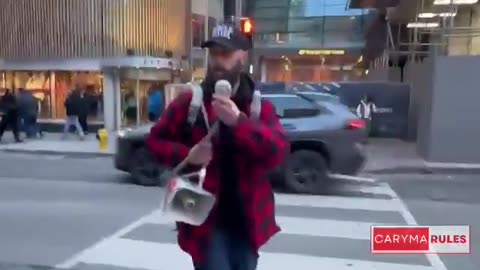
433, 47
308, 40
116, 49
205, 15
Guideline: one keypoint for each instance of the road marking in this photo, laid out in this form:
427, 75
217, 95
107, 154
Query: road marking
375, 190
76, 258
336, 202
33, 156
434, 259
117, 251
352, 178
305, 226
140, 255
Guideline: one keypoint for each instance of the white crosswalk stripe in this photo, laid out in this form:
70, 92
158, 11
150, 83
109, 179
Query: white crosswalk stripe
318, 232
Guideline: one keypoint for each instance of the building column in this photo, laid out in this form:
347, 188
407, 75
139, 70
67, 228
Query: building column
263, 70
117, 93
109, 100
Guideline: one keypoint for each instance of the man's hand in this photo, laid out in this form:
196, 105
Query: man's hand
200, 154
226, 110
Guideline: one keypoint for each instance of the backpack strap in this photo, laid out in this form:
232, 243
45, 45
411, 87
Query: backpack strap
195, 104
256, 105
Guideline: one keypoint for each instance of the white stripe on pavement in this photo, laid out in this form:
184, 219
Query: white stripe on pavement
283, 261
155, 256
376, 190
76, 258
325, 227
137, 254
117, 251
305, 226
336, 202
434, 259
352, 178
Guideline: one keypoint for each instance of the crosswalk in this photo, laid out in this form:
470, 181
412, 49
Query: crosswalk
318, 232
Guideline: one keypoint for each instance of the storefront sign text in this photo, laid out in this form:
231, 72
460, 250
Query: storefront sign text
321, 52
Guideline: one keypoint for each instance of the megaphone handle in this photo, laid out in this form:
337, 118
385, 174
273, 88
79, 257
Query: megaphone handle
201, 176
180, 166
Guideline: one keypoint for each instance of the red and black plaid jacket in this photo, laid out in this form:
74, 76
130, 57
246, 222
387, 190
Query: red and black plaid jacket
261, 145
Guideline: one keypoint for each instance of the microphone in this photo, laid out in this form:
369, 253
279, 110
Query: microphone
223, 88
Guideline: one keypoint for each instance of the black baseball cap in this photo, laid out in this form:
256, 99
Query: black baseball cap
228, 36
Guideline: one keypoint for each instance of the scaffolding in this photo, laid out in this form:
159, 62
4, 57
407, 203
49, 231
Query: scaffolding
416, 43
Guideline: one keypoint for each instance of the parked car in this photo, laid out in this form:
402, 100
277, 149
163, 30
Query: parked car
325, 138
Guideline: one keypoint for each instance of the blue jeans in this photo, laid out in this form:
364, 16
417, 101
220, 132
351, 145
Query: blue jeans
229, 252
30, 125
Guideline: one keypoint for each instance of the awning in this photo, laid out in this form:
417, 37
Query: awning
95, 64
141, 62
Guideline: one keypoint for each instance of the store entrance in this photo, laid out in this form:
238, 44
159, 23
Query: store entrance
142, 95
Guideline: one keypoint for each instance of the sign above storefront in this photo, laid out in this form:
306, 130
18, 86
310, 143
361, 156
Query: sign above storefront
321, 52
142, 62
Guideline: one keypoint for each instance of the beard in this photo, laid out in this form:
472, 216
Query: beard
216, 73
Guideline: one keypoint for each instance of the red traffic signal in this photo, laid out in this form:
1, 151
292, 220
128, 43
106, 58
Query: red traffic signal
246, 25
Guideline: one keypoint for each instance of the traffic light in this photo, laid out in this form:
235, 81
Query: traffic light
247, 28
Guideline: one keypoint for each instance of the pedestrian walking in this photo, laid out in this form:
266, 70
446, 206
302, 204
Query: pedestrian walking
28, 111
365, 110
84, 110
155, 104
73, 108
10, 116
239, 157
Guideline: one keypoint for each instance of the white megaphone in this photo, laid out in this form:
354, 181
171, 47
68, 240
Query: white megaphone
187, 202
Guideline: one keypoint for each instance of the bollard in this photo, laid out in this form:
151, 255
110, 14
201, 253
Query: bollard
103, 139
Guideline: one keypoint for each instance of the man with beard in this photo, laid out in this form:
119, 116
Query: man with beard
238, 156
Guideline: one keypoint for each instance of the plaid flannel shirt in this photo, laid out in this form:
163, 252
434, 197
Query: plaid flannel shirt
261, 146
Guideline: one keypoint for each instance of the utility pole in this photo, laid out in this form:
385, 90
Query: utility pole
238, 11
233, 11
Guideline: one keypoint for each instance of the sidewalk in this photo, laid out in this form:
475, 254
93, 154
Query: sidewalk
392, 155
53, 143
384, 156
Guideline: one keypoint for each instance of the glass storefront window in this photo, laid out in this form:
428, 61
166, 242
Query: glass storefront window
39, 83
198, 30
308, 70
52, 87
90, 82
134, 100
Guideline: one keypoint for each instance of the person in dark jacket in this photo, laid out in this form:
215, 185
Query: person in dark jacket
84, 110
28, 110
10, 116
240, 155
73, 107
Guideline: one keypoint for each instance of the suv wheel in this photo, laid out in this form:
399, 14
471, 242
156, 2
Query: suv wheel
306, 172
143, 168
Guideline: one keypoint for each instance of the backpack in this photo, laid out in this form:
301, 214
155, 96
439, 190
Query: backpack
196, 104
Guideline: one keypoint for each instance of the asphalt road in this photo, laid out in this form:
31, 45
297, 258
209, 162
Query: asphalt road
79, 213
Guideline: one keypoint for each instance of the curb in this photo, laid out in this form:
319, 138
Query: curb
58, 153
422, 170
